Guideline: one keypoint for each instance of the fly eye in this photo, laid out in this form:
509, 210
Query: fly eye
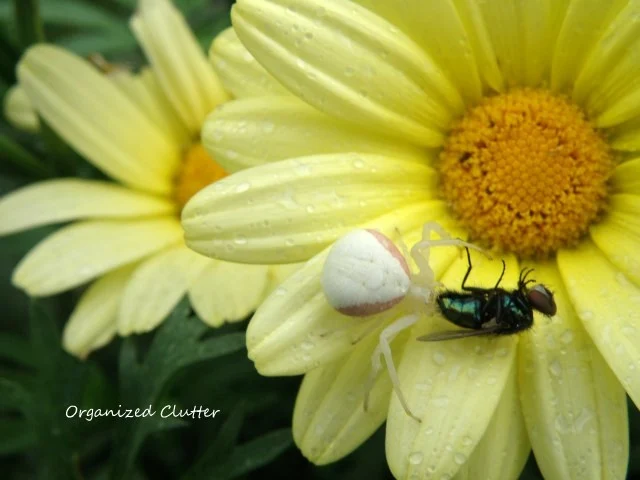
542, 300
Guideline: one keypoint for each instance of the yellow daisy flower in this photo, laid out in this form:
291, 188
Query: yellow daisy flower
142, 131
512, 124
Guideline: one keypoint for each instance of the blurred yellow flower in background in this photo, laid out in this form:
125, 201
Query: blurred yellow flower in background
142, 130
513, 124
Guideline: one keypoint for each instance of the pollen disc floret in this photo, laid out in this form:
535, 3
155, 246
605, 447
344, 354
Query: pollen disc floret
526, 172
197, 171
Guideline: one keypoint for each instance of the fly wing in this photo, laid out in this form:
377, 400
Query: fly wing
453, 334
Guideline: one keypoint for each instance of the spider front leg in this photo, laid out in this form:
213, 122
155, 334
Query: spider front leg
421, 251
384, 349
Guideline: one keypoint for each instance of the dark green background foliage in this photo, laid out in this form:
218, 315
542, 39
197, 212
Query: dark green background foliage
182, 363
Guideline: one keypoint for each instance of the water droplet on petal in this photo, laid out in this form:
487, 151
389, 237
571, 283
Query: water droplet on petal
439, 358
586, 315
243, 187
459, 458
440, 401
415, 458
555, 368
566, 337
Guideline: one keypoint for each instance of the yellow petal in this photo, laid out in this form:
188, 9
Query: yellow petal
626, 177
454, 387
628, 222
448, 40
459, 41
239, 72
608, 305
626, 136
329, 420
62, 200
78, 253
504, 447
625, 203
584, 22
144, 89
97, 119
523, 34
19, 111
574, 406
226, 291
253, 131
607, 84
620, 245
278, 274
93, 322
183, 71
156, 287
295, 329
287, 211
381, 79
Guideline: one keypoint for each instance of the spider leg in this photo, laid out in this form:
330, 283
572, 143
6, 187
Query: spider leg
386, 336
421, 251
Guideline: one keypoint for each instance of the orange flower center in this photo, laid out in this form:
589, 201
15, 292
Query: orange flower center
525, 172
198, 170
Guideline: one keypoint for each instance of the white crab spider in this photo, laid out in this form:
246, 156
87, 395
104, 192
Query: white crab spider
365, 274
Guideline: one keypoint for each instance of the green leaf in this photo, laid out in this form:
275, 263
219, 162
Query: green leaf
15, 397
67, 13
28, 22
112, 41
9, 56
57, 381
15, 349
176, 345
15, 154
250, 456
16, 436
63, 158
221, 447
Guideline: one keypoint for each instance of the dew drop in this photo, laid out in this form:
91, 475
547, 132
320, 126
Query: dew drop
218, 134
459, 458
243, 187
415, 458
440, 401
358, 163
492, 380
566, 337
240, 240
290, 242
586, 315
268, 127
555, 368
502, 352
467, 441
472, 372
439, 358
